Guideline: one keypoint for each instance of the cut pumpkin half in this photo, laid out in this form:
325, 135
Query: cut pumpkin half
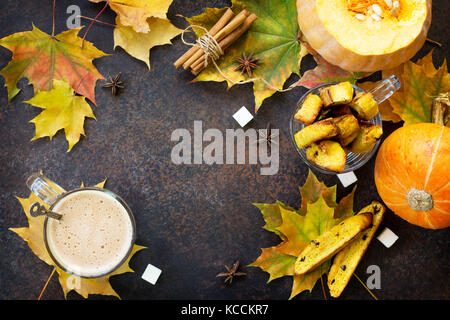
365, 35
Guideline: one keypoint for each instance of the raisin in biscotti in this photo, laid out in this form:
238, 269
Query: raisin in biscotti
346, 261
330, 242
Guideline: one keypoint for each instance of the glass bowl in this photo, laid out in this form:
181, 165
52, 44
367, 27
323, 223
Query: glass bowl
354, 160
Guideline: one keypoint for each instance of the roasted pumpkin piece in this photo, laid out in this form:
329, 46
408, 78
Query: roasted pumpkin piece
346, 261
347, 140
340, 93
325, 113
334, 112
330, 242
365, 105
327, 154
366, 139
340, 111
348, 127
310, 109
317, 131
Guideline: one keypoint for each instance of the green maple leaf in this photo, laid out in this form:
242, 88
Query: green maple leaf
273, 38
310, 193
297, 229
272, 215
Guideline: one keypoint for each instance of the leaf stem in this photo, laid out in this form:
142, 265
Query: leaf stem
99, 21
53, 20
95, 19
434, 42
323, 288
368, 290
45, 286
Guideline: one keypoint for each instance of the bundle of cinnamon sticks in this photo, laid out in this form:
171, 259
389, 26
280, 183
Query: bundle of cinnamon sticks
226, 30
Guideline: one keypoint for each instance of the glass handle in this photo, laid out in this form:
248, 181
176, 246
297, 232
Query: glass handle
40, 186
385, 88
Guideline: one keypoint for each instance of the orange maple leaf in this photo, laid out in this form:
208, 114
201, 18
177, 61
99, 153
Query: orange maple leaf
41, 58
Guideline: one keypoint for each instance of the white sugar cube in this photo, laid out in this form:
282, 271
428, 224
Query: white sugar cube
387, 237
243, 116
347, 178
151, 274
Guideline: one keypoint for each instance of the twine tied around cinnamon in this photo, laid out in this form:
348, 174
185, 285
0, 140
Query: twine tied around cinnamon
213, 51
207, 43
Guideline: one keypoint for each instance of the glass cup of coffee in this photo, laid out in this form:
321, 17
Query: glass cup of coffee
88, 232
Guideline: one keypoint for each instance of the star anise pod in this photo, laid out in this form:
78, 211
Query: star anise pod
231, 273
247, 63
114, 83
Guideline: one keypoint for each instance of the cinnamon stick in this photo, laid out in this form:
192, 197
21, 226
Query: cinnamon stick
229, 28
222, 22
199, 65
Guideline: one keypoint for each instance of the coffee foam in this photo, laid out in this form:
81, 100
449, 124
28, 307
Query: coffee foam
94, 234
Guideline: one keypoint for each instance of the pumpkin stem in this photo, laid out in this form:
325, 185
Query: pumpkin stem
419, 200
440, 110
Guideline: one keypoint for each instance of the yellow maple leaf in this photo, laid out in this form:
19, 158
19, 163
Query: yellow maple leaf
138, 44
134, 13
34, 236
62, 109
85, 286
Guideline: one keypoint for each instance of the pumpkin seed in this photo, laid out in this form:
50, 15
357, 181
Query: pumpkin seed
388, 3
360, 16
375, 17
377, 9
396, 6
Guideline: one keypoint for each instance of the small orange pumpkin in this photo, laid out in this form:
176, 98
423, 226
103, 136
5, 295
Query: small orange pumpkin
412, 174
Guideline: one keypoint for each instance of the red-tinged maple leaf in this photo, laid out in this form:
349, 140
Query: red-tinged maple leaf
326, 72
41, 58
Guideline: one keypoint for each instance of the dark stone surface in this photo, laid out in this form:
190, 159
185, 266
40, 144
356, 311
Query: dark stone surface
193, 218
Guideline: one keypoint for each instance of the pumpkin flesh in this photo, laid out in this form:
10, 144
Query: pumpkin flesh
332, 28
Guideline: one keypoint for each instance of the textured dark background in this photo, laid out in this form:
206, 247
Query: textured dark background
193, 218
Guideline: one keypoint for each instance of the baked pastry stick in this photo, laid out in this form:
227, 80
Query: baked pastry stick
346, 261
329, 243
